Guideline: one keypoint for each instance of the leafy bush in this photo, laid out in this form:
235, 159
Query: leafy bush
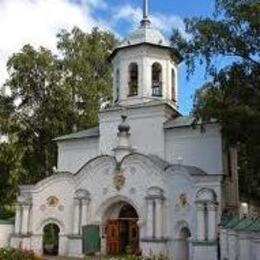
17, 254
131, 257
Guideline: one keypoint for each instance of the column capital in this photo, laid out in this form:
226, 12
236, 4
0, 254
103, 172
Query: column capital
18, 206
200, 205
76, 201
85, 201
212, 206
27, 205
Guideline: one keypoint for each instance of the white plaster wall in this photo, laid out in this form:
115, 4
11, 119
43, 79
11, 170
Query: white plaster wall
147, 133
99, 182
73, 154
240, 245
203, 150
97, 177
41, 214
5, 232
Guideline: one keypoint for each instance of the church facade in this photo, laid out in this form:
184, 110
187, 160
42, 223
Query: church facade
145, 180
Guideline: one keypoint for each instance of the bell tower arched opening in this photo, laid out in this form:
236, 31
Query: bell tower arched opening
133, 80
156, 80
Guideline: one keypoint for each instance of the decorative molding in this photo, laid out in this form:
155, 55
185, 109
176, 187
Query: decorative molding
154, 240
204, 243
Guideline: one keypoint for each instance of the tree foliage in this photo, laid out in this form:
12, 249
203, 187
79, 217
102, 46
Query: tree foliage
51, 95
11, 171
233, 96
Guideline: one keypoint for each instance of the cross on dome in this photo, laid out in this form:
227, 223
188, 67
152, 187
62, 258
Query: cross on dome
145, 21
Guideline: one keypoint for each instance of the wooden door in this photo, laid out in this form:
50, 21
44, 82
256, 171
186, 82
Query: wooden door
134, 236
113, 237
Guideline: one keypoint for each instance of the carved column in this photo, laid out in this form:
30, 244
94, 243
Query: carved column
150, 217
212, 222
85, 211
159, 217
76, 220
25, 218
201, 229
18, 218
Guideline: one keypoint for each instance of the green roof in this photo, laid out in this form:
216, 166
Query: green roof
255, 226
232, 223
244, 224
88, 133
185, 121
181, 121
240, 224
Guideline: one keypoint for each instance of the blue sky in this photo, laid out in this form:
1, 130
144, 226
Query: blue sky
167, 8
38, 21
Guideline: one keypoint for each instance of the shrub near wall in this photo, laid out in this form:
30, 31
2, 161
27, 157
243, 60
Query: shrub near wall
16, 254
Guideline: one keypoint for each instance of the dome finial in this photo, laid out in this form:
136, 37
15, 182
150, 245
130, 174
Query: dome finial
145, 21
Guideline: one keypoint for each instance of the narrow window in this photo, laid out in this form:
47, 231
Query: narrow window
157, 80
173, 86
117, 85
133, 79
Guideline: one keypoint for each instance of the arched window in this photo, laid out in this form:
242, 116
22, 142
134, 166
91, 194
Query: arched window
173, 85
157, 79
117, 85
133, 79
207, 206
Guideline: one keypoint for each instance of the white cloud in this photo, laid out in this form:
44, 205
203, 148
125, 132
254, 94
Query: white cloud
38, 21
163, 22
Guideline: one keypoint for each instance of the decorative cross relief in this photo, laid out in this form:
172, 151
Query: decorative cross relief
182, 203
119, 179
52, 201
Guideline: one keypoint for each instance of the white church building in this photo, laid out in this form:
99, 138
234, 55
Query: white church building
145, 180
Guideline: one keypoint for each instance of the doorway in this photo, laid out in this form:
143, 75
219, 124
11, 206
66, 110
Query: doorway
184, 244
122, 233
51, 239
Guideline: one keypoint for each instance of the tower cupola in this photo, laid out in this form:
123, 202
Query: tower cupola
145, 66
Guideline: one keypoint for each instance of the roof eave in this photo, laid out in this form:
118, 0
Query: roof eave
173, 50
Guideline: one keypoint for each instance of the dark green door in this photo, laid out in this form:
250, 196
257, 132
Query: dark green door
91, 239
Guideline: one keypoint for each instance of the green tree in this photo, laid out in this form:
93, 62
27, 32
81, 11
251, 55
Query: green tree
11, 171
233, 96
52, 95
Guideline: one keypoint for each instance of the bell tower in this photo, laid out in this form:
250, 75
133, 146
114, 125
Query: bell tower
145, 67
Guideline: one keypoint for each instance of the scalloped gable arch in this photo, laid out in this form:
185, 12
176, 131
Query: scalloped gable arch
179, 171
93, 164
143, 160
54, 178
